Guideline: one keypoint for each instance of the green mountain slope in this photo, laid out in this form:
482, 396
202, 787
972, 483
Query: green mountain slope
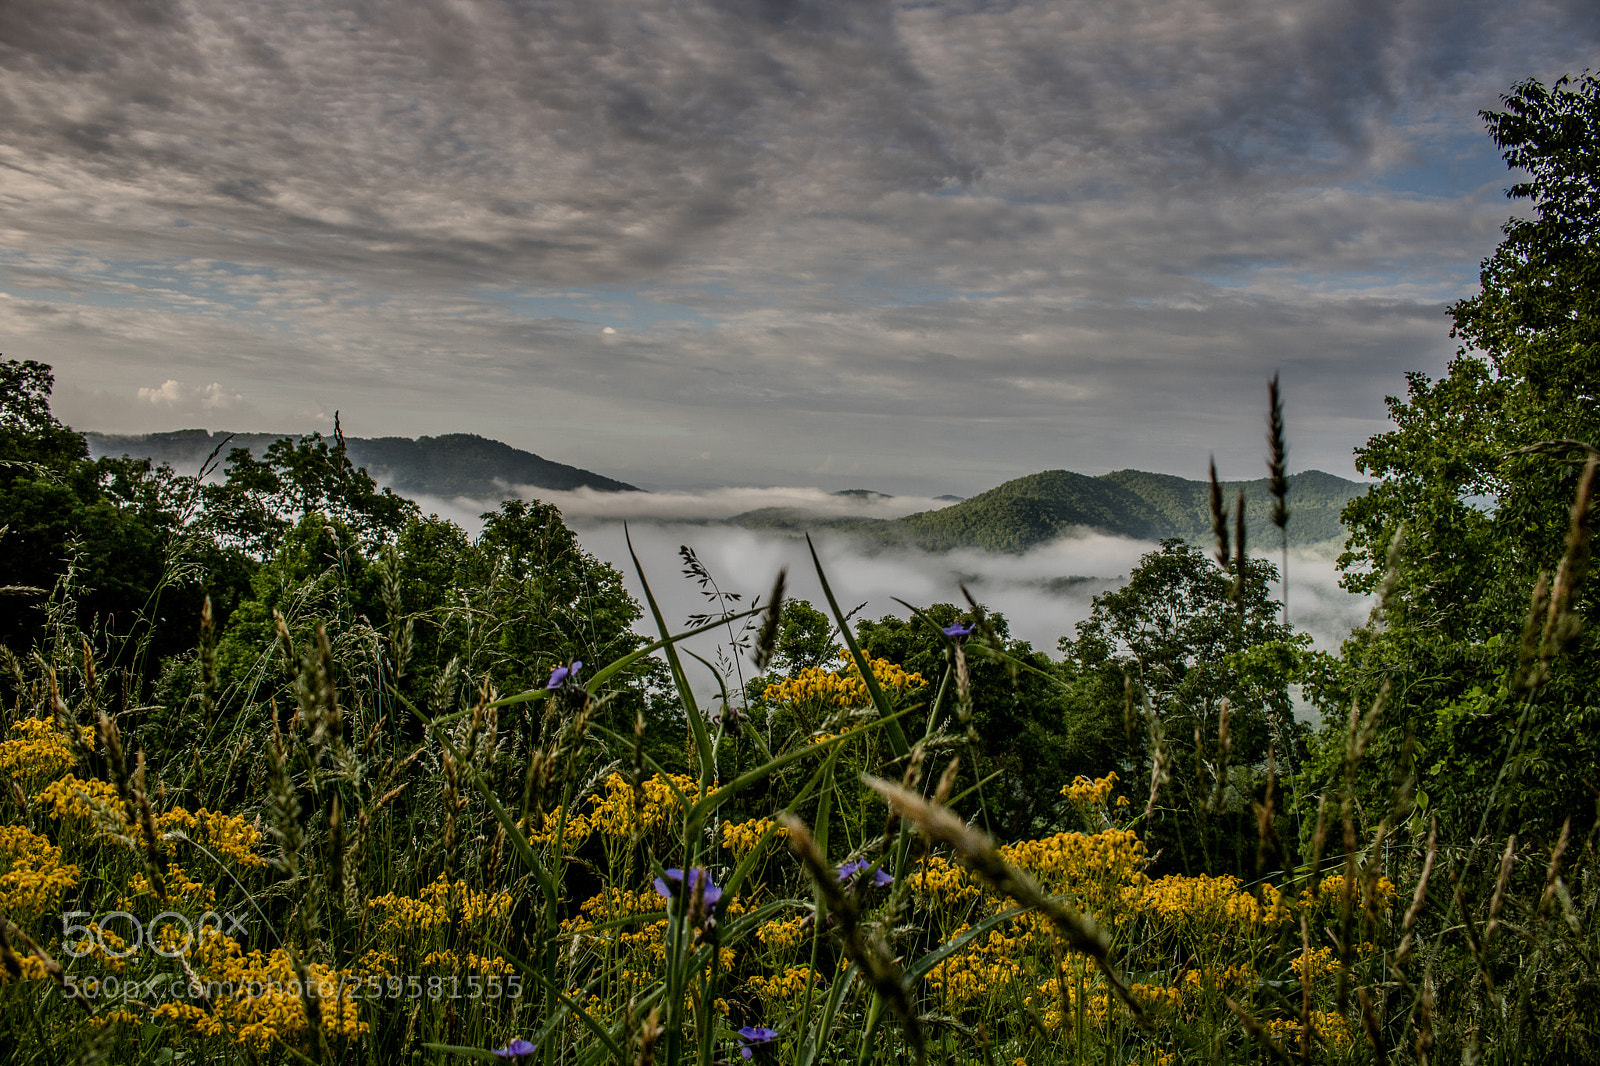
456, 464
1031, 510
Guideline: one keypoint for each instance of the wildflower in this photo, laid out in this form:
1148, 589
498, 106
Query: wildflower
880, 877
561, 676
755, 1036
518, 1049
672, 880
957, 631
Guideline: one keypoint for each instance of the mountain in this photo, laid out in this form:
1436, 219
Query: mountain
1031, 510
456, 464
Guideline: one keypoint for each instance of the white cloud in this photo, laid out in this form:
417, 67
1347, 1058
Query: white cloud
174, 395
1043, 593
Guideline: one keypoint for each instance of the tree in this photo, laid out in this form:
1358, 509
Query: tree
1020, 722
260, 500
1480, 473
103, 540
1179, 642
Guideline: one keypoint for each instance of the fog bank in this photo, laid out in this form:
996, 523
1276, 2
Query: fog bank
1043, 593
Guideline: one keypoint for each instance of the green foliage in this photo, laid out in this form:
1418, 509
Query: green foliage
261, 499
1480, 473
1018, 734
1165, 657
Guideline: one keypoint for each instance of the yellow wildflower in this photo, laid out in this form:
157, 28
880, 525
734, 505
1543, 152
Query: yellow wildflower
32, 875
38, 751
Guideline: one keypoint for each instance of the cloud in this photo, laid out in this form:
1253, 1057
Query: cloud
947, 242
709, 505
174, 395
1043, 593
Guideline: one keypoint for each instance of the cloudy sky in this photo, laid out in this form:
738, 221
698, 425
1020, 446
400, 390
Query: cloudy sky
920, 247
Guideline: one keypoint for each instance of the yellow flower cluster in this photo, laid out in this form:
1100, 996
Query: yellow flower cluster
437, 903
32, 875
107, 947
226, 835
93, 801
118, 1016
614, 812
988, 962
614, 903
974, 976
1157, 997
1330, 893
1095, 1002
573, 834
263, 1006
647, 943
1318, 962
843, 687
1327, 1028
785, 987
38, 751
945, 882
1239, 975
782, 935
181, 888
464, 961
1213, 902
33, 969
1090, 793
1094, 866
741, 838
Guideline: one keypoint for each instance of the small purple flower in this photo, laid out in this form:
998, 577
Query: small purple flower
671, 882
957, 631
755, 1036
518, 1049
563, 675
880, 877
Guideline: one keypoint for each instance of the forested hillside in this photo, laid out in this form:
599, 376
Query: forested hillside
1038, 508
455, 464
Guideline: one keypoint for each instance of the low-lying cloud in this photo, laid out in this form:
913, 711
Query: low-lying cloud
1043, 593
716, 504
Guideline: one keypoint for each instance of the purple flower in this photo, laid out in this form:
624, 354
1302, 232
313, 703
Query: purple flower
517, 1049
562, 675
957, 631
880, 877
671, 882
755, 1036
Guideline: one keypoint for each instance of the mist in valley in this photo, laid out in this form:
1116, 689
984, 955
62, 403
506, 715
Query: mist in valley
1042, 593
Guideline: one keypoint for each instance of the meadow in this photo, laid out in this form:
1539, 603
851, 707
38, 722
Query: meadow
352, 849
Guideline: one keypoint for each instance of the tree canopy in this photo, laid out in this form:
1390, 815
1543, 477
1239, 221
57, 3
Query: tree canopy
1478, 477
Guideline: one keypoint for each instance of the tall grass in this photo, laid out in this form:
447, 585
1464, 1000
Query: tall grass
334, 872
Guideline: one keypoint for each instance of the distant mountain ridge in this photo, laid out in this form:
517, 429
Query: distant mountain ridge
456, 464
1012, 517
1033, 510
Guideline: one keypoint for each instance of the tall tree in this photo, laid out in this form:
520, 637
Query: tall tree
1480, 474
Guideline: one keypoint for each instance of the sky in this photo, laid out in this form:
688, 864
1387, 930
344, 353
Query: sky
918, 247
